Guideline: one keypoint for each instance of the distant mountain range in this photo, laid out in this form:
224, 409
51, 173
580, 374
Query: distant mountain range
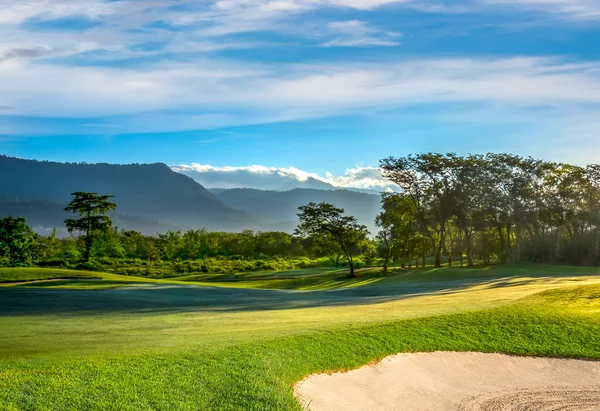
153, 198
261, 178
281, 207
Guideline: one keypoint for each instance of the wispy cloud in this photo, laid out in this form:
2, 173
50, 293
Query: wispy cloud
317, 88
573, 9
153, 65
356, 33
120, 29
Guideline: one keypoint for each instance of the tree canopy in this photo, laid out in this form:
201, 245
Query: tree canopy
92, 208
500, 205
16, 240
324, 220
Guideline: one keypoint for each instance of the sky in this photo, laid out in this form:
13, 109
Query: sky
300, 88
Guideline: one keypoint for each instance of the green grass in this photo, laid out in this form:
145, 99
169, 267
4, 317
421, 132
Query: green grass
31, 274
74, 284
167, 346
332, 279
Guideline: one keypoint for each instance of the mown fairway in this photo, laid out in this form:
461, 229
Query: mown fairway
124, 343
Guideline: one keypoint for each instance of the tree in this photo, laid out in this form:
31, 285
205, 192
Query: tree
92, 208
429, 180
16, 240
329, 246
397, 223
324, 219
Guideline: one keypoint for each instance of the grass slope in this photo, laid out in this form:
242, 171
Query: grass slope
173, 347
316, 279
31, 274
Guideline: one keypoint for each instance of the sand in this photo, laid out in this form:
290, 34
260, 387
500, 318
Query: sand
457, 381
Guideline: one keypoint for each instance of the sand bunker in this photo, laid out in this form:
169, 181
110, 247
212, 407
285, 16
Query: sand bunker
457, 381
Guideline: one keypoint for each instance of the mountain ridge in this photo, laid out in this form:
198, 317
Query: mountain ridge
151, 191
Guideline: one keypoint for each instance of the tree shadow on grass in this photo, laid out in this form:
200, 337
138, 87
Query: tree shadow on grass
159, 298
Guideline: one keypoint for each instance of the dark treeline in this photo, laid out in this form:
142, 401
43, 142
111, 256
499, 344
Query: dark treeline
175, 252
177, 245
497, 206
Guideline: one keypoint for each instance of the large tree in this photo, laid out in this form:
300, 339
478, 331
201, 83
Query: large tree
429, 180
324, 219
397, 225
16, 240
92, 208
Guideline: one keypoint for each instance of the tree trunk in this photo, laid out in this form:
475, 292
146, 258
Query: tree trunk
469, 239
508, 243
517, 244
438, 251
502, 245
88, 240
386, 261
595, 247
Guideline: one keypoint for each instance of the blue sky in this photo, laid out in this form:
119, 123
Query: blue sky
311, 86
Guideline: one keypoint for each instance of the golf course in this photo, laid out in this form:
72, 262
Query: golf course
97, 341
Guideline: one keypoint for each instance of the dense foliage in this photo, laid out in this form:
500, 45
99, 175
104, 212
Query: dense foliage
496, 206
177, 253
325, 221
16, 240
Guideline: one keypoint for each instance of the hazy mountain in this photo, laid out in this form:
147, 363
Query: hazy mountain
44, 215
258, 177
151, 191
280, 208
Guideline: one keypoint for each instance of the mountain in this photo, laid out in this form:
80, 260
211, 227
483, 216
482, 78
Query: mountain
148, 191
279, 208
44, 215
262, 178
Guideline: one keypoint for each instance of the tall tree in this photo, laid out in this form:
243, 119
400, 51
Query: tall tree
429, 180
324, 219
92, 208
16, 240
398, 225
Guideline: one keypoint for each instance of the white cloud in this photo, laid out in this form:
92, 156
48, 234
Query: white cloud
123, 24
574, 9
353, 33
291, 91
360, 177
279, 178
18, 11
255, 176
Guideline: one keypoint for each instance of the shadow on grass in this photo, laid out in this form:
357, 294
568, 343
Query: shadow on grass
157, 298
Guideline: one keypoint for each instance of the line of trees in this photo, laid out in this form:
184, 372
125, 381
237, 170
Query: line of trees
494, 206
94, 236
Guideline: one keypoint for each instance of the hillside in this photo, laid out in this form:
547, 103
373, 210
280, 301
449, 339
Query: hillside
44, 215
150, 191
279, 208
